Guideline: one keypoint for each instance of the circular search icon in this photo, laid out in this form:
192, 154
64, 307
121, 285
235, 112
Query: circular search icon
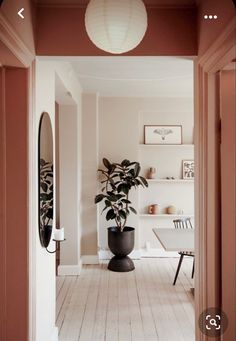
213, 322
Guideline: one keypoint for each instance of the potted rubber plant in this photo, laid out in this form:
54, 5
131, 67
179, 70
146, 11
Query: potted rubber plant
118, 179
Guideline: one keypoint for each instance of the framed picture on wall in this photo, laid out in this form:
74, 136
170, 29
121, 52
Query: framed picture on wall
188, 169
162, 134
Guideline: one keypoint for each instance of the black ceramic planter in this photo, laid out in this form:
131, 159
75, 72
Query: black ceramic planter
121, 244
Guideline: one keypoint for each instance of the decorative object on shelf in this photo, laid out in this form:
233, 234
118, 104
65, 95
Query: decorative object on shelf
45, 179
152, 173
116, 26
59, 234
153, 209
188, 169
118, 180
170, 178
162, 134
171, 209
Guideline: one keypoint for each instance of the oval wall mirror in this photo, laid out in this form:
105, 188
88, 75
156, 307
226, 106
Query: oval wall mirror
45, 179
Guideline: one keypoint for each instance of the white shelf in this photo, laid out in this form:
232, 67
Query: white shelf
166, 215
166, 145
169, 181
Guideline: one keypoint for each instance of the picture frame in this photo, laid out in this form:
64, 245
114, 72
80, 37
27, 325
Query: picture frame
163, 134
188, 169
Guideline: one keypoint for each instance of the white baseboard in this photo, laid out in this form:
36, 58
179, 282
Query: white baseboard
90, 259
107, 254
141, 253
54, 334
70, 270
158, 253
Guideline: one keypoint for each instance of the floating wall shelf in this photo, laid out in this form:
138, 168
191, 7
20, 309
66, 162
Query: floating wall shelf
166, 215
166, 145
169, 181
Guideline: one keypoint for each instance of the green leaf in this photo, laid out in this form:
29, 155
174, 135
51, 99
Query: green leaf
137, 169
126, 201
107, 203
132, 172
123, 188
112, 198
49, 213
106, 163
125, 163
99, 198
42, 162
110, 215
133, 210
144, 181
122, 214
44, 186
45, 197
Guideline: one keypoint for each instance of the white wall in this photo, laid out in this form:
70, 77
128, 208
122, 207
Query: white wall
42, 282
89, 177
69, 208
121, 130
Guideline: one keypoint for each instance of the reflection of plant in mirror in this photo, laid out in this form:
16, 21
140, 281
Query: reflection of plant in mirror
46, 193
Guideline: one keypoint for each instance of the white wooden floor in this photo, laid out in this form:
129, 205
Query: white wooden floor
139, 305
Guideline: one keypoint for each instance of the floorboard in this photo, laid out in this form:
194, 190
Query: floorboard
141, 305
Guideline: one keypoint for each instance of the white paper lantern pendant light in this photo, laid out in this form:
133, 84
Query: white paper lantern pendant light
116, 26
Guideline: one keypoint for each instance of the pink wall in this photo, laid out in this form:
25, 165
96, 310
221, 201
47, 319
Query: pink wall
228, 169
61, 32
209, 30
13, 204
23, 27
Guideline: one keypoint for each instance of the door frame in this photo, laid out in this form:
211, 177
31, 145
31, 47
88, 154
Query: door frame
207, 160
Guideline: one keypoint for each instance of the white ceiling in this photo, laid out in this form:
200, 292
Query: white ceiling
135, 76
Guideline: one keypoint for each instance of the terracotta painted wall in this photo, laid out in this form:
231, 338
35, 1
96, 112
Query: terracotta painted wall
23, 27
209, 30
61, 31
228, 169
13, 204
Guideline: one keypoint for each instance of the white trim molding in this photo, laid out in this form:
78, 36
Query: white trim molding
14, 43
70, 270
158, 253
54, 335
90, 259
106, 254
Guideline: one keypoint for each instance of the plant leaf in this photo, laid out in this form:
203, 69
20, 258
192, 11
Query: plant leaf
144, 181
137, 169
125, 163
110, 215
106, 163
44, 186
99, 198
126, 201
122, 214
133, 210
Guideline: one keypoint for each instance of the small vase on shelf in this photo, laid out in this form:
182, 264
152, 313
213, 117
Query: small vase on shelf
153, 209
152, 173
171, 209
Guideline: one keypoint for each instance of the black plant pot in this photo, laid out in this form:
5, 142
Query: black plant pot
121, 244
